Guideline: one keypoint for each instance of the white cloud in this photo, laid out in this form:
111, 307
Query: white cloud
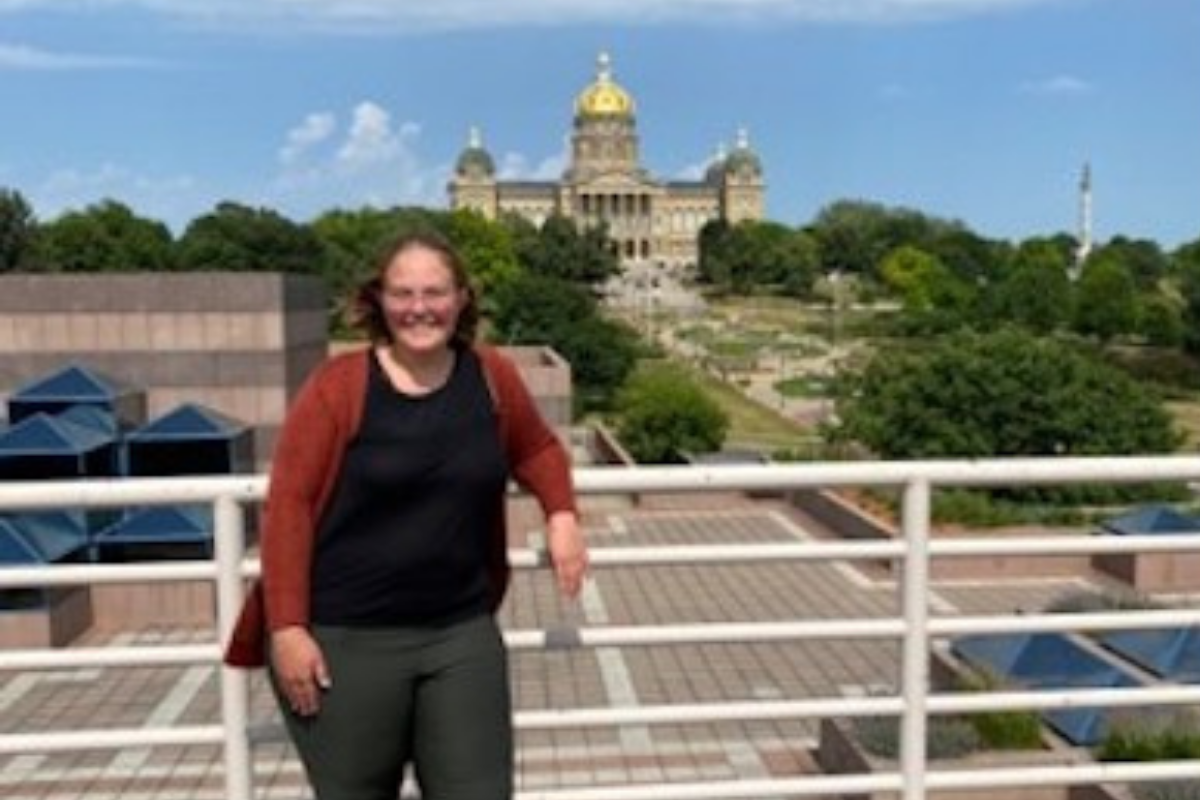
376, 162
24, 57
372, 141
315, 128
516, 166
415, 16
694, 171
175, 199
1057, 86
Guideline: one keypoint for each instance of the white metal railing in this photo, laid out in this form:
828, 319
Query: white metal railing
915, 628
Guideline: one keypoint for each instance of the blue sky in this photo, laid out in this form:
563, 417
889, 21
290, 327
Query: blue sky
982, 111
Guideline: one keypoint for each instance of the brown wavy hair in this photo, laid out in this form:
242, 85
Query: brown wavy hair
365, 312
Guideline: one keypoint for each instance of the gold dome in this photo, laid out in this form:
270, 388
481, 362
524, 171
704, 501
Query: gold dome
604, 98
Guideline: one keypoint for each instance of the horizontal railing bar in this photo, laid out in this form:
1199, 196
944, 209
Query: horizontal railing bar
890, 705
608, 480
1073, 774
839, 707
951, 472
525, 558
807, 786
1061, 622
604, 556
75, 574
679, 713
110, 492
1111, 697
80, 658
845, 628
1066, 775
992, 545
109, 739
703, 633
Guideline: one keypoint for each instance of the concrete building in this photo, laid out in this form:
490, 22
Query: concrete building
651, 221
240, 343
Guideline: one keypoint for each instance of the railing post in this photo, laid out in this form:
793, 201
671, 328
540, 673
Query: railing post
229, 533
914, 678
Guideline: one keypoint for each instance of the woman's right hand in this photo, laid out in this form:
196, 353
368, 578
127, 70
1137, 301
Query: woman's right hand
299, 668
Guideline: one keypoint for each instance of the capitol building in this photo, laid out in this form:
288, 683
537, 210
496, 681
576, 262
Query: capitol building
652, 222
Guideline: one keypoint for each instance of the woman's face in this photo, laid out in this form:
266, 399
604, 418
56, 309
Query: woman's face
421, 300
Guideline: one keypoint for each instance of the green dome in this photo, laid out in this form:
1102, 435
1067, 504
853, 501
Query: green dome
715, 174
475, 161
743, 162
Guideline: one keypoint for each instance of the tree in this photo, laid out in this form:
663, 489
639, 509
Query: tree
715, 244
562, 250
756, 256
801, 265
1143, 259
662, 415
17, 228
851, 237
1007, 393
1160, 319
1106, 299
934, 298
855, 236
974, 260
1035, 291
105, 237
237, 238
1187, 268
486, 248
541, 310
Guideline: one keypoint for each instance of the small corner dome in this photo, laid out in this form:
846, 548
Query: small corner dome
475, 161
715, 173
743, 161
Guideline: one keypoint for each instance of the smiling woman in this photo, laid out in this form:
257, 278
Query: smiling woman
384, 547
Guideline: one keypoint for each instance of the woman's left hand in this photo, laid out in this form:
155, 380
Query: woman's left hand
568, 552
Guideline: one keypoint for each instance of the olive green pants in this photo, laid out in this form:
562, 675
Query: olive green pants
437, 698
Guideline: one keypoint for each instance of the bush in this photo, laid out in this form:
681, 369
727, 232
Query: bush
1152, 735
663, 415
1088, 600
1002, 730
945, 737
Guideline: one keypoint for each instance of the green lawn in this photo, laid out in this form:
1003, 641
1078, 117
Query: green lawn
753, 425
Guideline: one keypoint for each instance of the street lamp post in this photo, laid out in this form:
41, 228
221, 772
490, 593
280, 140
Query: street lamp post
835, 323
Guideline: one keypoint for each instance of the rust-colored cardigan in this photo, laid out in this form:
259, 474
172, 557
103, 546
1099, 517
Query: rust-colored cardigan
320, 424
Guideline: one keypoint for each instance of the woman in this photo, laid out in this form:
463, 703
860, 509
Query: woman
384, 547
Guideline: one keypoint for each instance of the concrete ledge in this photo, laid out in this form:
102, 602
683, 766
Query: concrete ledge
846, 520
67, 615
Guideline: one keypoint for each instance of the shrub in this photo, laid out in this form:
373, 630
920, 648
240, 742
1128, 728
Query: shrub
945, 737
1152, 735
1002, 730
1087, 600
662, 415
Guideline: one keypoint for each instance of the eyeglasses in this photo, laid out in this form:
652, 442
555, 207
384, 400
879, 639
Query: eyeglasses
434, 296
